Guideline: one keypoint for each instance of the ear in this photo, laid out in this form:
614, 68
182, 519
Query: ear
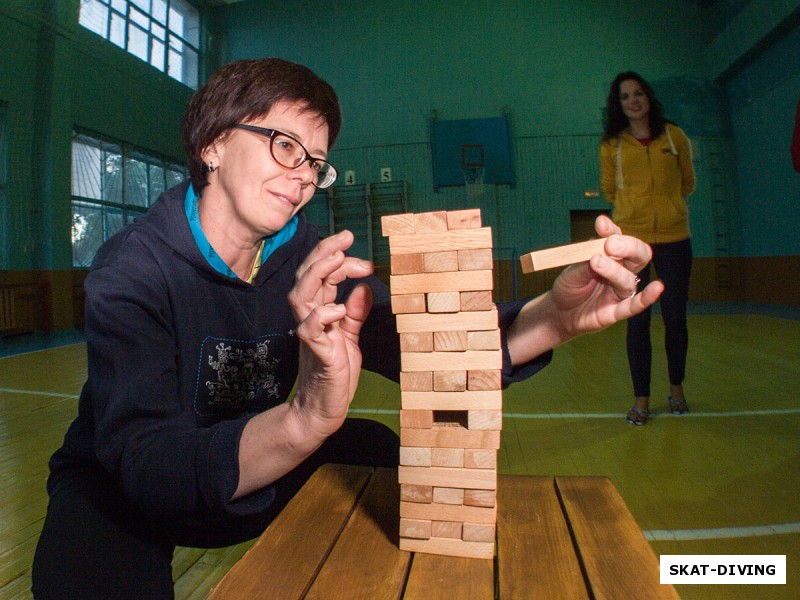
210, 155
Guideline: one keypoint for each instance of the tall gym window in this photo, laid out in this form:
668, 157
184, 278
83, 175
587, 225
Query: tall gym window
111, 186
163, 33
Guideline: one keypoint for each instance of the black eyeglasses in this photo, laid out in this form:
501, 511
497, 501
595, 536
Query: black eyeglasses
289, 153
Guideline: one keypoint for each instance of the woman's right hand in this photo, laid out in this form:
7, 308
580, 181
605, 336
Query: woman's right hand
330, 359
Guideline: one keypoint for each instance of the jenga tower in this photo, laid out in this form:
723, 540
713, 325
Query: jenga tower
450, 363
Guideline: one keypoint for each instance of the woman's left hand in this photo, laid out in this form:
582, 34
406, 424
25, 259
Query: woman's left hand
586, 297
590, 296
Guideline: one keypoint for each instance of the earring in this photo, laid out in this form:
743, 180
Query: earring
211, 168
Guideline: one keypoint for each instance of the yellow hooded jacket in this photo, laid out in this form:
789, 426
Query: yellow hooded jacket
648, 185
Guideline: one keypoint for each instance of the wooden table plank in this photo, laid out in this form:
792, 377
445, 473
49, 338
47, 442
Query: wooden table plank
536, 557
365, 562
436, 577
618, 560
301, 536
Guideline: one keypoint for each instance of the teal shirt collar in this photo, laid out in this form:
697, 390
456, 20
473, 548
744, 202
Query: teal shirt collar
271, 243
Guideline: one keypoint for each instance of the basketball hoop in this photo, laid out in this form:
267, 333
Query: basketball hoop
473, 180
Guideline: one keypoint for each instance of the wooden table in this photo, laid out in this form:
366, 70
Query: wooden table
562, 537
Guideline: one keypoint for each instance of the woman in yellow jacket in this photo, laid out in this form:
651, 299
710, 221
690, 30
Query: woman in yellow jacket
646, 173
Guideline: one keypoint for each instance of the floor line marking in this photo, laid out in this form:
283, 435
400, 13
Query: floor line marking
35, 393
661, 535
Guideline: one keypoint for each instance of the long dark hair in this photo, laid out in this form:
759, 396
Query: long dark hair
247, 89
615, 121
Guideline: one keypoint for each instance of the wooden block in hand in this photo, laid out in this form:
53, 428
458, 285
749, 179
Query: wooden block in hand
561, 255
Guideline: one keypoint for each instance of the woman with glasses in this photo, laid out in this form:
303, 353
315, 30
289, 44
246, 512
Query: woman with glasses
202, 315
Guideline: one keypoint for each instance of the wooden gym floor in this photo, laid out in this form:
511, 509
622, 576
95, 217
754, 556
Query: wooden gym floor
724, 479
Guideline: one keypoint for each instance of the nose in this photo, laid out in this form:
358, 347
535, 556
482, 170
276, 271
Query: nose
303, 173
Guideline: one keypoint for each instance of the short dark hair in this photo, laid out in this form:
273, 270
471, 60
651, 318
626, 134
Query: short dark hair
615, 121
247, 89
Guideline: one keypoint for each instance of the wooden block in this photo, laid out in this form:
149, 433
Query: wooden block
416, 382
450, 437
417, 493
457, 239
448, 512
449, 381
444, 361
445, 495
475, 259
483, 340
491, 420
416, 528
446, 529
447, 457
561, 255
415, 457
407, 264
485, 498
416, 419
449, 547
397, 224
418, 341
443, 302
479, 459
469, 400
474, 479
457, 281
476, 532
450, 341
484, 380
480, 300
469, 218
408, 303
439, 262
430, 222
464, 321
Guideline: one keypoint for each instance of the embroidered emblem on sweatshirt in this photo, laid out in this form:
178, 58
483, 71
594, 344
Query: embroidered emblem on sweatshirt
237, 375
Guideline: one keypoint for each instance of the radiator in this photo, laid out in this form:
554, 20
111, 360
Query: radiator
8, 318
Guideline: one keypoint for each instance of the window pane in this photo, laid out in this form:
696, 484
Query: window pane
156, 181
185, 21
159, 11
137, 42
94, 16
143, 5
120, 5
112, 174
136, 182
113, 220
87, 233
175, 175
157, 56
182, 62
117, 32
86, 169
139, 18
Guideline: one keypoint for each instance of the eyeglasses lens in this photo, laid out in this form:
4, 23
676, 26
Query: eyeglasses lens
289, 153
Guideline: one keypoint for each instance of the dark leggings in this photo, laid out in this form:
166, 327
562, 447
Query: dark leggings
673, 265
91, 548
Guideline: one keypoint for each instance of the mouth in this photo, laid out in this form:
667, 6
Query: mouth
291, 201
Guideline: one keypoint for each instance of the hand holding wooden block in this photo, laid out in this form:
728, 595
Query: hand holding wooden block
561, 255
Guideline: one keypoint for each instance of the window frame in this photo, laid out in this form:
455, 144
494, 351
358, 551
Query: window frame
120, 21
118, 205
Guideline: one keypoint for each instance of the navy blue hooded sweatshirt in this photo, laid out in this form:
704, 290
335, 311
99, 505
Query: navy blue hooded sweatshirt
180, 357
